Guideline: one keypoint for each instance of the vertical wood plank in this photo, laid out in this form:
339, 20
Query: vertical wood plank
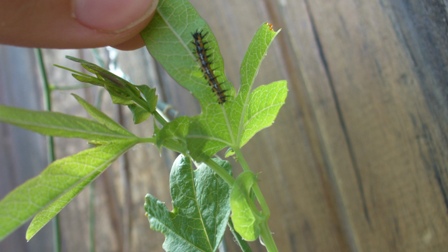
22, 153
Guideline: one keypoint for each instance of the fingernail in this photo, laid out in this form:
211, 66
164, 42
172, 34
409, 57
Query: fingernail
112, 15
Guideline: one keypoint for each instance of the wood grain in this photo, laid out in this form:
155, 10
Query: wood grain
22, 153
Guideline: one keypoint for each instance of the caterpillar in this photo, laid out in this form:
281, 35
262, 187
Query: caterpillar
203, 59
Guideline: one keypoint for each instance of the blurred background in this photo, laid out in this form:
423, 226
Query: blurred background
356, 161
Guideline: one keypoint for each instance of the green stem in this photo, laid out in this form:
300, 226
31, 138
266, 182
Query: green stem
266, 237
256, 188
264, 206
50, 143
241, 159
92, 214
220, 171
159, 118
147, 140
57, 247
265, 233
92, 217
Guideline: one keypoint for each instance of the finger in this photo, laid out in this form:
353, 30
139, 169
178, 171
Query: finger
131, 44
74, 24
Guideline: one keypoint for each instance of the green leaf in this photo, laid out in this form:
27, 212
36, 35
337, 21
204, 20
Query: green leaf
61, 125
245, 216
120, 90
168, 38
139, 115
53, 189
254, 56
88, 79
201, 208
231, 124
141, 99
150, 97
172, 135
236, 121
238, 239
264, 104
101, 117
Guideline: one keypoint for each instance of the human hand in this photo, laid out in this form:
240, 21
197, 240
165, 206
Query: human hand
75, 23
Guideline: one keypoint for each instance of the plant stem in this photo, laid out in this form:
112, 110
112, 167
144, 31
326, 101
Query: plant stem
241, 159
57, 247
159, 118
264, 206
256, 188
92, 213
265, 233
147, 140
92, 217
220, 171
266, 237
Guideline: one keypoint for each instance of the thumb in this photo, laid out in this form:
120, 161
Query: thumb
75, 23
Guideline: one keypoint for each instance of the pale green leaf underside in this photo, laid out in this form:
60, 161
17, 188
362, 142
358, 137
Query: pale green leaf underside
244, 216
61, 125
102, 118
51, 190
201, 208
169, 40
265, 103
254, 56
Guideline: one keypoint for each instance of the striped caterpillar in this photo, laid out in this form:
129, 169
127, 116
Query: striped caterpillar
203, 59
